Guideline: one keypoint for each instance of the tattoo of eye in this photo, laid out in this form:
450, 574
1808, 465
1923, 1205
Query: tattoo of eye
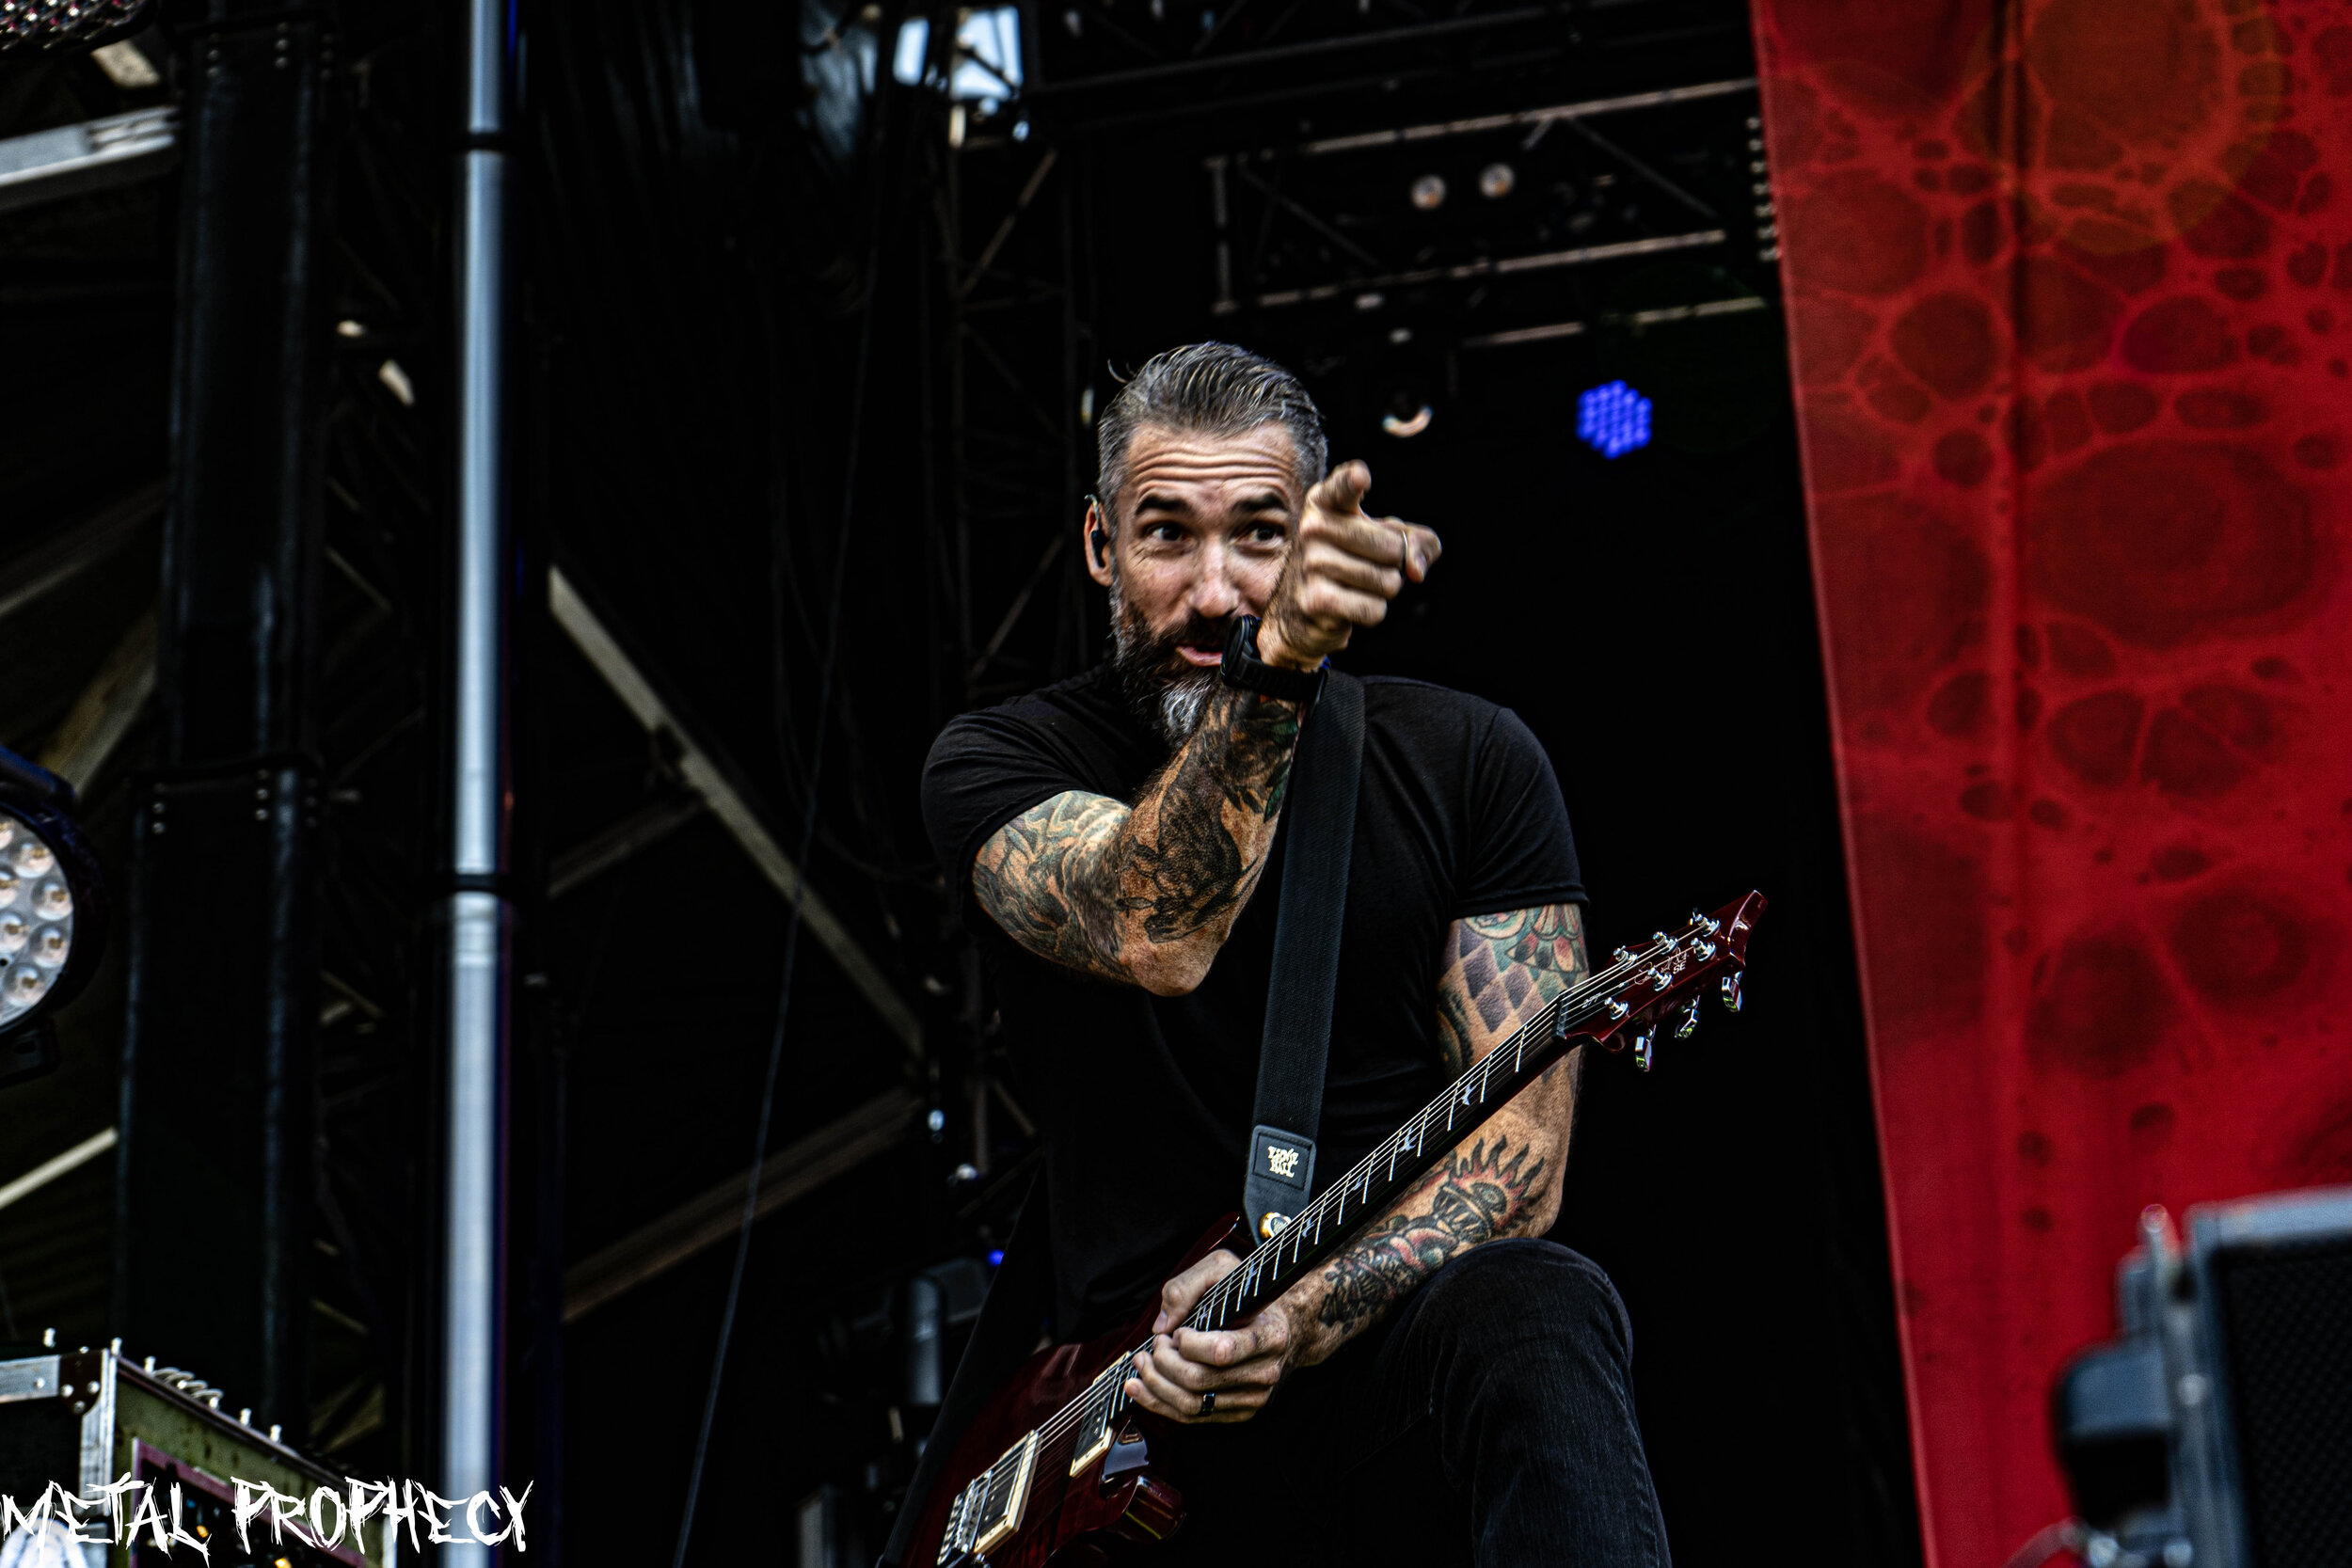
1078, 878
1470, 1198
1502, 966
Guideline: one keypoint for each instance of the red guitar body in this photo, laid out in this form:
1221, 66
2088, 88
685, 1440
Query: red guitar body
1118, 1505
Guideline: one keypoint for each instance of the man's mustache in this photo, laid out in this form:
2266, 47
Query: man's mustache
1199, 631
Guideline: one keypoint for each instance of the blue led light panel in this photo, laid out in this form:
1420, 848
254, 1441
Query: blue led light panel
1613, 419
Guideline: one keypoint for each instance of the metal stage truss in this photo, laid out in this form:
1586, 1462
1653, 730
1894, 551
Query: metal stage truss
1515, 204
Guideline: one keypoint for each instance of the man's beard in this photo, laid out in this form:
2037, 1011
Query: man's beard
1167, 691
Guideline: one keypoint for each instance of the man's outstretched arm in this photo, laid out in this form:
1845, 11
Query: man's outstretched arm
1146, 894
1503, 1180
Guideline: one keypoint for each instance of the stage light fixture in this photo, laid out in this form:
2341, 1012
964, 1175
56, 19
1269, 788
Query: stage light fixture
1497, 180
1613, 420
52, 914
396, 382
1402, 425
1428, 193
28, 26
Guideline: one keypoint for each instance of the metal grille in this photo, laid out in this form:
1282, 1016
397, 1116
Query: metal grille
2286, 1320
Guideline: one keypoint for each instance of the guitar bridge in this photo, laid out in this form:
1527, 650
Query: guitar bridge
988, 1512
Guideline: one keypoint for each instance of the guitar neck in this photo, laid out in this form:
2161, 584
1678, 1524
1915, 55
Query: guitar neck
1327, 1224
1665, 973
1631, 994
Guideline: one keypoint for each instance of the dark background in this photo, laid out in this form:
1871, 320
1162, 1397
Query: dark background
743, 261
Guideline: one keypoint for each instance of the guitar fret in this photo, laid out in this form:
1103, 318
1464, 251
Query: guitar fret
1268, 1267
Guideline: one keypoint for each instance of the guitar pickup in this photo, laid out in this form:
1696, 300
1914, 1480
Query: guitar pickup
1094, 1436
989, 1510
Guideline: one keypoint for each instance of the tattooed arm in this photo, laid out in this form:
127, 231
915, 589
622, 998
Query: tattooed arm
1146, 894
1504, 1181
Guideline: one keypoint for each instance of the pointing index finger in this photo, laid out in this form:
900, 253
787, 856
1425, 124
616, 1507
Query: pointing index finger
1344, 488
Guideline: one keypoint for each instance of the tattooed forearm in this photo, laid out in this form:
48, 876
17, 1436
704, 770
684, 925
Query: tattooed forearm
1147, 893
1203, 824
1040, 876
1502, 966
1499, 969
1472, 1196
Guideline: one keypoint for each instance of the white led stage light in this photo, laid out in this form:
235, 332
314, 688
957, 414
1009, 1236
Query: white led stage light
52, 914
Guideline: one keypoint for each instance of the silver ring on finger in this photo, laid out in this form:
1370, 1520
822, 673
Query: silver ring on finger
1404, 546
1208, 1403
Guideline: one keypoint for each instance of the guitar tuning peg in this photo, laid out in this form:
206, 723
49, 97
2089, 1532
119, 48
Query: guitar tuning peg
1622, 956
1690, 1025
1642, 1047
1706, 922
1731, 993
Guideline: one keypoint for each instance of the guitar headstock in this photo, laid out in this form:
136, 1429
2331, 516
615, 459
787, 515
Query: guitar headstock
1667, 977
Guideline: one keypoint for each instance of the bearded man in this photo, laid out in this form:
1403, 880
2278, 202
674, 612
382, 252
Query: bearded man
1450, 1387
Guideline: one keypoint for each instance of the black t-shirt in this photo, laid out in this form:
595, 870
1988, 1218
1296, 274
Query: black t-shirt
1146, 1101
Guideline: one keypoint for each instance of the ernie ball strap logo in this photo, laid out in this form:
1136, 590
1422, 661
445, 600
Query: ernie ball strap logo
1282, 1173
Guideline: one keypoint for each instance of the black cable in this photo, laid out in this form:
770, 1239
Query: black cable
800, 890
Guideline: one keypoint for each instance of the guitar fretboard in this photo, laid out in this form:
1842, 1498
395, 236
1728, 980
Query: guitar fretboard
1327, 1224
1402, 1159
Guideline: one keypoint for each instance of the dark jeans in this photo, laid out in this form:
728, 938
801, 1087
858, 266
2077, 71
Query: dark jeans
1491, 1423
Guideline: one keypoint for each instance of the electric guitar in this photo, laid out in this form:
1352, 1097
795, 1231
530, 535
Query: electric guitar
1056, 1469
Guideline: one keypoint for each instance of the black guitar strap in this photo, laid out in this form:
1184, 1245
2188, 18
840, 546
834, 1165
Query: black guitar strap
1320, 825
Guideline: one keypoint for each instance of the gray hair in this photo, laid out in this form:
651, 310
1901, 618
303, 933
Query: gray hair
1211, 387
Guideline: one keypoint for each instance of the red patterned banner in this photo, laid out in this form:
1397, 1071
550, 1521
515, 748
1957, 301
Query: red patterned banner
2071, 292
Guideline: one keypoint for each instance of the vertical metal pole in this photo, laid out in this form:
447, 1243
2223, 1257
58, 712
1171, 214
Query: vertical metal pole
479, 970
221, 1034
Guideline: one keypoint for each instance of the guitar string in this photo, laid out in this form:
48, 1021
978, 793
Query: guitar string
1113, 1399
1080, 1408
1412, 1137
